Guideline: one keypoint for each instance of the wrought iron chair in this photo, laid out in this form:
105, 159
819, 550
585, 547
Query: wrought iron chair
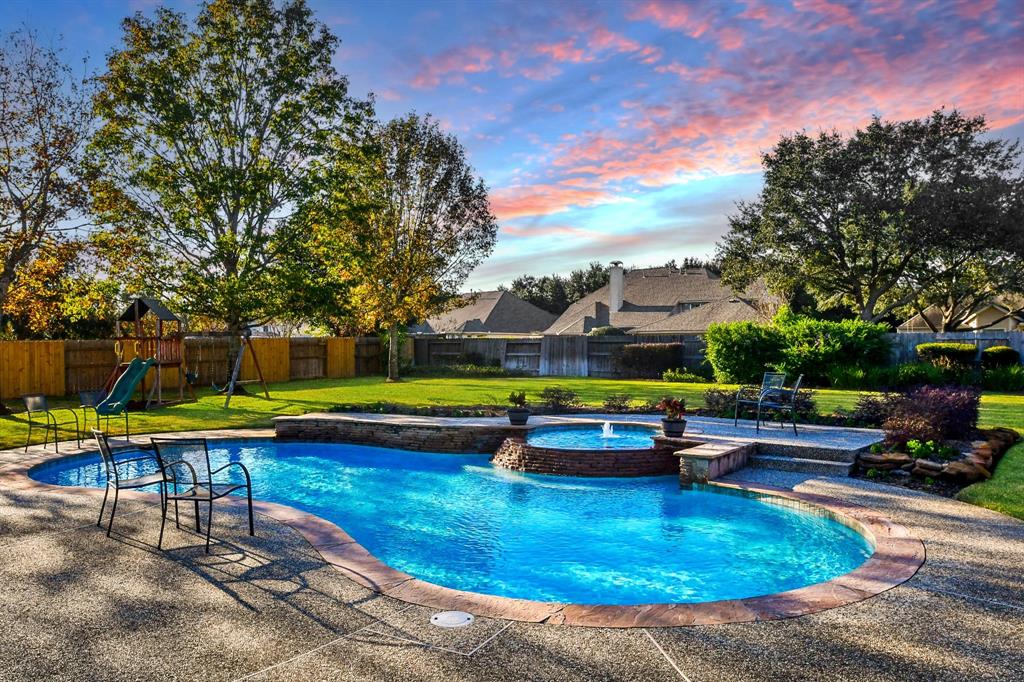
119, 479
751, 396
88, 400
36, 405
186, 462
773, 396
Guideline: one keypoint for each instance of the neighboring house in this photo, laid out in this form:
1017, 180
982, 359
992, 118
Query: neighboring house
1002, 314
663, 301
488, 312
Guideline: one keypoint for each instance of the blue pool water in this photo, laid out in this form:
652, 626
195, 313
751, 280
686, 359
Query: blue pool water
590, 437
457, 521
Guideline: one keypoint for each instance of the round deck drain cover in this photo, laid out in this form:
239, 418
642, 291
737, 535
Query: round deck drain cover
451, 619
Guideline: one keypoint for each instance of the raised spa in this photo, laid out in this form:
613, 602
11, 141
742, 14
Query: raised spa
457, 521
606, 436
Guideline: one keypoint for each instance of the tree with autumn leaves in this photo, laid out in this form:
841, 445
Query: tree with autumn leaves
400, 220
45, 122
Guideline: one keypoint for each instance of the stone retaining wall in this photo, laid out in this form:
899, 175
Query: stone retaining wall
516, 454
421, 437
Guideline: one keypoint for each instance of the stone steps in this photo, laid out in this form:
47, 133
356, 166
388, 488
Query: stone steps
801, 465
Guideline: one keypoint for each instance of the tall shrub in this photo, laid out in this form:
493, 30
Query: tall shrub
742, 351
817, 348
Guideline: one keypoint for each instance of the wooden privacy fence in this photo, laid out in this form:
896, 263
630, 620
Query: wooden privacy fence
67, 367
583, 356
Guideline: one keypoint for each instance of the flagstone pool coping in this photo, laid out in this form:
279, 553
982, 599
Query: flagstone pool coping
897, 556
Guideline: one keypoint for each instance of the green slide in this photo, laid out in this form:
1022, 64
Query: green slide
121, 392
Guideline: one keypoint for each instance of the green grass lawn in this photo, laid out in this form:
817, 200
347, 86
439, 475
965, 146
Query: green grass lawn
1004, 492
298, 397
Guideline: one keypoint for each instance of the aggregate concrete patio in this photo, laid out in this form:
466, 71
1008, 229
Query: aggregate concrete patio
77, 605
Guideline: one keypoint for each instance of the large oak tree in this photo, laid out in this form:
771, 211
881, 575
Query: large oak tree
209, 129
871, 220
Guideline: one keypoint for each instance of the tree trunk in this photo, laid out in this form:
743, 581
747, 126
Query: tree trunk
234, 345
393, 342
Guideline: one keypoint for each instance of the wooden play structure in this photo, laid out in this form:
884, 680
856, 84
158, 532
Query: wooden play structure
148, 330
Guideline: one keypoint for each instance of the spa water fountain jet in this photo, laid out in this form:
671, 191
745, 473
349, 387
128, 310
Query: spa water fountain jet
607, 430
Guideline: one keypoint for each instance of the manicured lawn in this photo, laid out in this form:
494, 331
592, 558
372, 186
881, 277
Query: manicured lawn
1004, 492
298, 397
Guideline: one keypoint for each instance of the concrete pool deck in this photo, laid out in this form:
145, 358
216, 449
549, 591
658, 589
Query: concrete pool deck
79, 605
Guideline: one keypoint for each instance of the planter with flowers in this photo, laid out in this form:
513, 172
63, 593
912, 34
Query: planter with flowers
519, 413
673, 424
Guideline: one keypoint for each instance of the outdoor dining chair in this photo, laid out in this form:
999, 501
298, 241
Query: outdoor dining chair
120, 475
773, 396
186, 463
40, 416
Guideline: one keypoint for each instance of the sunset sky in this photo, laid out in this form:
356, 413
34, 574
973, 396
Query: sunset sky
627, 130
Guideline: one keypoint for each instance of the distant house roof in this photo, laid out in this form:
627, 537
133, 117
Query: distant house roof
1004, 305
662, 296
493, 312
697, 320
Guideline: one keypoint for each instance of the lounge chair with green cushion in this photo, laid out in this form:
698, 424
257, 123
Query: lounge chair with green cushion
121, 393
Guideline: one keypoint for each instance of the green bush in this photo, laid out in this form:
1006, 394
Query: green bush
1004, 379
815, 348
458, 370
647, 360
741, 352
606, 331
559, 399
947, 354
681, 375
818, 349
999, 356
617, 402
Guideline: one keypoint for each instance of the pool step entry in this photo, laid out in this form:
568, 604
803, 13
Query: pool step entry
803, 465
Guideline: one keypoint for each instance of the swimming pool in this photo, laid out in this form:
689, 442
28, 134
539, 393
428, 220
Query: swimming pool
456, 521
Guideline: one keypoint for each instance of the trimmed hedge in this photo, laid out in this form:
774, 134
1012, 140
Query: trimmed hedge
999, 356
647, 360
947, 353
741, 352
794, 344
606, 331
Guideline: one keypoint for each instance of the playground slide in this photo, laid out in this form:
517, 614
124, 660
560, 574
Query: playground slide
124, 387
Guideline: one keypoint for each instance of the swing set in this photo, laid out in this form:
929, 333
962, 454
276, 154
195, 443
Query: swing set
137, 337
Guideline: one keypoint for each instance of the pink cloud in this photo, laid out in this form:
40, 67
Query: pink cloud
692, 20
565, 51
543, 199
452, 64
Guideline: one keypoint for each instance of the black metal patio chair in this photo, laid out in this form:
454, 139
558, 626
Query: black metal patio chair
773, 396
186, 462
119, 479
36, 405
88, 400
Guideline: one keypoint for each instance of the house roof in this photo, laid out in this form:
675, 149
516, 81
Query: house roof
1004, 304
651, 295
488, 312
146, 305
697, 320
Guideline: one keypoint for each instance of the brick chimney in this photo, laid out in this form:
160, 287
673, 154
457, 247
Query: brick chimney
616, 286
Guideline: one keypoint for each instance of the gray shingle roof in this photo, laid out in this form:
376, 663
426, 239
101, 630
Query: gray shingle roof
697, 320
652, 295
489, 312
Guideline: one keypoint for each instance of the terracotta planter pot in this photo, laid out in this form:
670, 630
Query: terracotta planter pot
673, 428
518, 416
